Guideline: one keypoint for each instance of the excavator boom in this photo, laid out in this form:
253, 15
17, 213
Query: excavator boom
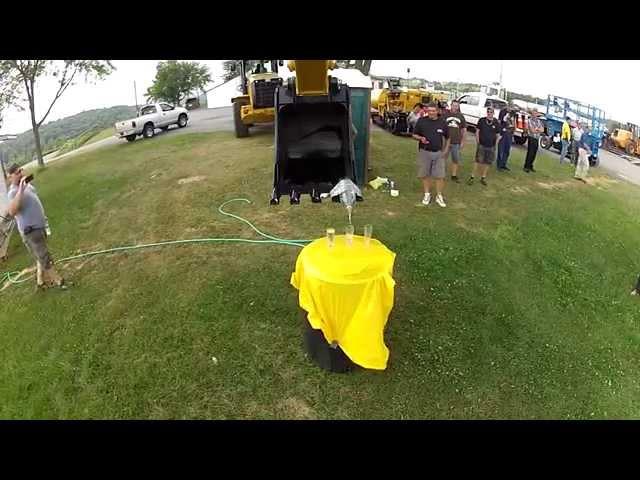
313, 133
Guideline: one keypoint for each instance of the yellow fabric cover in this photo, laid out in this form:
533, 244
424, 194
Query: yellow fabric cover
348, 294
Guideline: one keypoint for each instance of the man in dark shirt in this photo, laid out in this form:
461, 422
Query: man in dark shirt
433, 146
507, 124
457, 127
487, 133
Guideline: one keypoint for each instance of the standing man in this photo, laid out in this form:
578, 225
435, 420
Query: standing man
582, 164
487, 133
577, 136
535, 129
507, 127
565, 139
457, 126
27, 209
433, 146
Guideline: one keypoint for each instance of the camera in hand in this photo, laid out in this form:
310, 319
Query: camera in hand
28, 178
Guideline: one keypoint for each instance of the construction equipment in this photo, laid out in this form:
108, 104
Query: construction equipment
559, 108
627, 139
258, 82
313, 133
391, 104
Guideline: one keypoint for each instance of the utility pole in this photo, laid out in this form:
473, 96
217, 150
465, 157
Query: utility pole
135, 92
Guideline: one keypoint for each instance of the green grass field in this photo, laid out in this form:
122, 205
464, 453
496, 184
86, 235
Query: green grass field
106, 133
513, 302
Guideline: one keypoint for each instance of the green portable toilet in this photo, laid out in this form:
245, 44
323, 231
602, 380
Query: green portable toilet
360, 86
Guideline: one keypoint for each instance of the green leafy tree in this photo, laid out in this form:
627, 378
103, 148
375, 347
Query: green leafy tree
175, 80
231, 68
19, 78
363, 65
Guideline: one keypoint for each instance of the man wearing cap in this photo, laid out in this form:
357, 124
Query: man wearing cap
433, 146
27, 209
508, 126
487, 133
535, 128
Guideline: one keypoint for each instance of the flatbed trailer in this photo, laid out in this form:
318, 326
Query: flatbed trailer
558, 108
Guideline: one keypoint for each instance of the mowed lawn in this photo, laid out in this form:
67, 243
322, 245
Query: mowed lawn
513, 302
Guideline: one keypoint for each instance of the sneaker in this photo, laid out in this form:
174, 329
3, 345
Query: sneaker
532, 170
440, 201
527, 170
455, 179
470, 181
506, 169
483, 181
427, 199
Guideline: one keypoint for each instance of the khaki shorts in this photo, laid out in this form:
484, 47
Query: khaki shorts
431, 164
36, 242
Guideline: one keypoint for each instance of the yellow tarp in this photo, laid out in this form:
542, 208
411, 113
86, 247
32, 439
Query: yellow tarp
348, 294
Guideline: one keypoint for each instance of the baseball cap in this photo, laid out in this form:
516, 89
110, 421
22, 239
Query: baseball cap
13, 168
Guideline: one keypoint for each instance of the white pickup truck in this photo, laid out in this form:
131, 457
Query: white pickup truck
473, 105
155, 115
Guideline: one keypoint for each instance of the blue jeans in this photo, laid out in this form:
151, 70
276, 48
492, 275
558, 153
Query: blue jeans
564, 150
504, 148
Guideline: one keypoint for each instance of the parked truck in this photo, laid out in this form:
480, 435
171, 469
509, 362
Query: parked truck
473, 105
149, 118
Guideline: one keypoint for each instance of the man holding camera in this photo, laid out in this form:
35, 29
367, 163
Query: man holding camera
27, 209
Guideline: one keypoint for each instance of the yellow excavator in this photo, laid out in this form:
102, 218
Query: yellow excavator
313, 132
627, 139
258, 82
391, 104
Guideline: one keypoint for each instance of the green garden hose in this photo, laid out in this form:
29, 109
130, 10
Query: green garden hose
270, 239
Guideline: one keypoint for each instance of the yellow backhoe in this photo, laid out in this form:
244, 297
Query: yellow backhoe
258, 82
391, 104
627, 139
313, 132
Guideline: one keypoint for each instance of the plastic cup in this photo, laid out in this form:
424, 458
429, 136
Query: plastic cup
331, 236
348, 233
368, 231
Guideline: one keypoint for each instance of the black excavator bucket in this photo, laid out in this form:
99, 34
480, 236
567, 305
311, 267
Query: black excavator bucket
313, 143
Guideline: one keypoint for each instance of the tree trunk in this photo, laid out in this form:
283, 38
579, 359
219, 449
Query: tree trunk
34, 123
36, 137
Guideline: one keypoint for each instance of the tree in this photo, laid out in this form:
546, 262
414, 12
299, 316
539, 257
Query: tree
20, 77
175, 80
363, 65
230, 72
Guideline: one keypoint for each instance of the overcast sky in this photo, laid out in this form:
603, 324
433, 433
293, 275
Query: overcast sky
610, 85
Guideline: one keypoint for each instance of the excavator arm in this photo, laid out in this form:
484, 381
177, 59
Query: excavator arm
313, 132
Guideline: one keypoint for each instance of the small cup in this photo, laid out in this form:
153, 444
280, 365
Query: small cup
368, 231
331, 236
349, 231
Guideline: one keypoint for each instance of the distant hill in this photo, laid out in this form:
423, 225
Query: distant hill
54, 135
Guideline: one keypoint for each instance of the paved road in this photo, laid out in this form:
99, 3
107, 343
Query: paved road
200, 121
